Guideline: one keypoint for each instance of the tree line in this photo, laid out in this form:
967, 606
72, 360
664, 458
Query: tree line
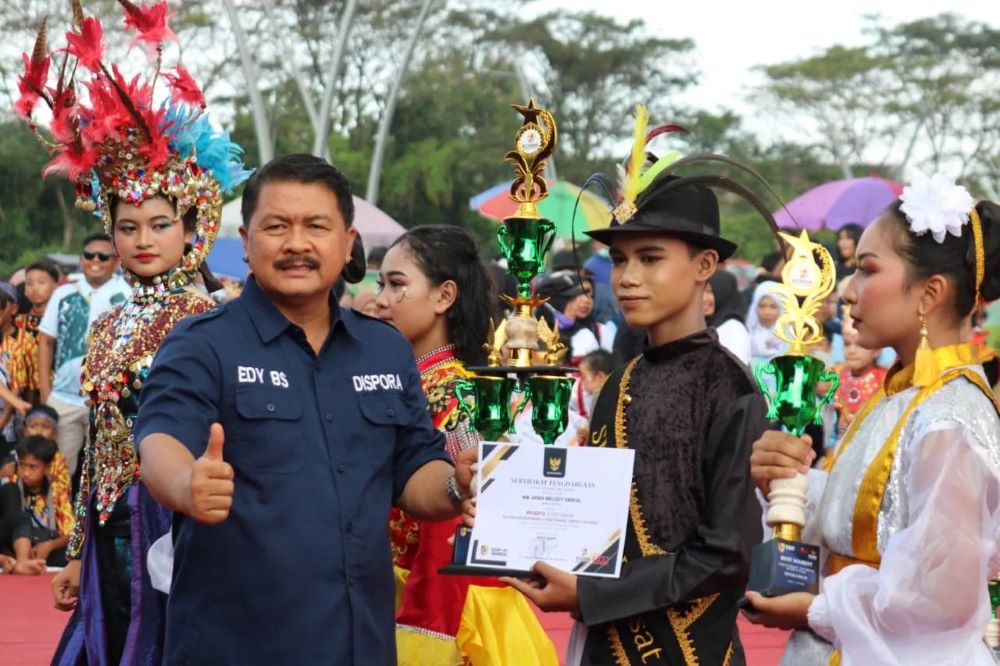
920, 93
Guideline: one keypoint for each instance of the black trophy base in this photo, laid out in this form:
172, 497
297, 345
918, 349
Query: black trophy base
459, 557
781, 566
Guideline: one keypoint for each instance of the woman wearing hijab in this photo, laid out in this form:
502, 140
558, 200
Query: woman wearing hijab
724, 312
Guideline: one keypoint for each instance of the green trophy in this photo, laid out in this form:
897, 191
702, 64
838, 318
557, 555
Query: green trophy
549, 399
490, 415
785, 564
523, 350
526, 236
525, 242
992, 636
792, 402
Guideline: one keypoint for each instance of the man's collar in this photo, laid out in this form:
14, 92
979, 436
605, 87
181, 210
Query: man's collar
269, 321
675, 348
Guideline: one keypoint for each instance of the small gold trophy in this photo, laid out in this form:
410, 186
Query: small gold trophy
785, 564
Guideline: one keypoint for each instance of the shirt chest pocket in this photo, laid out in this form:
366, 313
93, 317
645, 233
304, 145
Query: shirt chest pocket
381, 415
268, 435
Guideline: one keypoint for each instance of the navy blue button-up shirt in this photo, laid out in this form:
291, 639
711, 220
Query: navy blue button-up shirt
301, 571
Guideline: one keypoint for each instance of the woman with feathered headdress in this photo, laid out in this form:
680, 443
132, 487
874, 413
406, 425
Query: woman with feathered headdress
155, 175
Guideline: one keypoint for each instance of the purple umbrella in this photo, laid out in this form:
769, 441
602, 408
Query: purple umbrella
839, 202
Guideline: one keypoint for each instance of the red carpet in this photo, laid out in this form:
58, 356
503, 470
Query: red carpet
763, 646
30, 627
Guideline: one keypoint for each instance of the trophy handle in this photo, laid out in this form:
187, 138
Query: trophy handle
549, 231
834, 379
759, 373
502, 239
462, 387
520, 408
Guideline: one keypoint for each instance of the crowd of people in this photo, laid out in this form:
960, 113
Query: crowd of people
201, 464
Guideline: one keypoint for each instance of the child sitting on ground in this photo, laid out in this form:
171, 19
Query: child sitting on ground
36, 511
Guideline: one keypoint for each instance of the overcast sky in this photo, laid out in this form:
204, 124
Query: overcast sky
732, 37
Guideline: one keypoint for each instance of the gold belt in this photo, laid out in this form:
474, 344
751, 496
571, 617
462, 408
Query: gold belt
835, 563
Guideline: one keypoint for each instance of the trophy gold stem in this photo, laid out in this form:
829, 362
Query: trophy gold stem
788, 532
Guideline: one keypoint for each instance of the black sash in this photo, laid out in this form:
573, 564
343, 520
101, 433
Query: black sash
685, 633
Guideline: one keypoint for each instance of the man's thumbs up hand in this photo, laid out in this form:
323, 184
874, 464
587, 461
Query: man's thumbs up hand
211, 482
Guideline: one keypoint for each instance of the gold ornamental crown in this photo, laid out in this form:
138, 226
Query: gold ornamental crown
534, 142
807, 279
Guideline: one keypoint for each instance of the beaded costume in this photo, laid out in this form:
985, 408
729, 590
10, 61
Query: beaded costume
117, 144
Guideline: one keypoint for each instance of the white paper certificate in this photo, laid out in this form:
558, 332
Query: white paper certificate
565, 506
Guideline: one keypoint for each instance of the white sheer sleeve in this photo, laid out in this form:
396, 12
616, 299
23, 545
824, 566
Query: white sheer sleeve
928, 602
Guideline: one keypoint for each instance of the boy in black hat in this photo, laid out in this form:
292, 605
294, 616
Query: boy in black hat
691, 412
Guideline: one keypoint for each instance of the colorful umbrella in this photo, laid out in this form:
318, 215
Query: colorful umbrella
592, 213
839, 202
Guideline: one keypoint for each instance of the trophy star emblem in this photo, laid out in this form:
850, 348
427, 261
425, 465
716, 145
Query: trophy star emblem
529, 111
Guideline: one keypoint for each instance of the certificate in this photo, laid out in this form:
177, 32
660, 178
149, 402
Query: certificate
565, 506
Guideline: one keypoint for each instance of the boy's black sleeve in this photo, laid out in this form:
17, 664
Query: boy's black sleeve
717, 555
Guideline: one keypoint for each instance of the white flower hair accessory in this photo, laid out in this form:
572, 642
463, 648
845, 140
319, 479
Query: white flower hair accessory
936, 204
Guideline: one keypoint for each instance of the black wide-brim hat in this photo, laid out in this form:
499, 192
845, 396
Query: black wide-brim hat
686, 207
689, 212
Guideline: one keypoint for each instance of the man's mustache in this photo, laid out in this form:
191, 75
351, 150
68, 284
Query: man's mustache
298, 260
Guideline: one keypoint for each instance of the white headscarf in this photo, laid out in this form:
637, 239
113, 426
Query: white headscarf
763, 342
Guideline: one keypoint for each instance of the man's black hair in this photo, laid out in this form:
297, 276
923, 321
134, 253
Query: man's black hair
376, 255
44, 265
600, 360
100, 236
40, 447
299, 168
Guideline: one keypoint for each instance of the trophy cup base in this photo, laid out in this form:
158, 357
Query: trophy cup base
781, 566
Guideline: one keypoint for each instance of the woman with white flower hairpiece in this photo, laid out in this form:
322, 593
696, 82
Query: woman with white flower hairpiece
910, 510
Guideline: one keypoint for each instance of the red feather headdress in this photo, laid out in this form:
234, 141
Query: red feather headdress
110, 138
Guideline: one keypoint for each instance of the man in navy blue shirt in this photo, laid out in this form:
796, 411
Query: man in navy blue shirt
318, 424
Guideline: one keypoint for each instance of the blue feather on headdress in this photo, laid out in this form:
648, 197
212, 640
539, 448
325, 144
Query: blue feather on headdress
190, 132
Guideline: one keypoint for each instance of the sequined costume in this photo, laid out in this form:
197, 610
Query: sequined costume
433, 608
118, 142
116, 518
908, 525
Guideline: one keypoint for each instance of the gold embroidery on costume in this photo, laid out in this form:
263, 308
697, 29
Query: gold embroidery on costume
681, 622
621, 440
728, 659
616, 646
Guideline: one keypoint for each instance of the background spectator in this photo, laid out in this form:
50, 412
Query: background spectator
62, 339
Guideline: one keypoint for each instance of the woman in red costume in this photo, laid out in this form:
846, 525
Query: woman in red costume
436, 291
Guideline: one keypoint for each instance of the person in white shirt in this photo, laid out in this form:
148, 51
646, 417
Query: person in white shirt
62, 338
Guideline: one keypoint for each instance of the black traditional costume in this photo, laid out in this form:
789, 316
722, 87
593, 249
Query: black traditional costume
691, 412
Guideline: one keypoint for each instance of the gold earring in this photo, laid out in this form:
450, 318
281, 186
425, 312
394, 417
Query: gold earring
925, 369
